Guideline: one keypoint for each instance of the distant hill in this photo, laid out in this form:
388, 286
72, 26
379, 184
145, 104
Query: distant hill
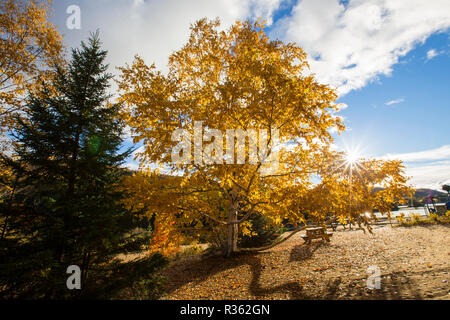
423, 192
421, 195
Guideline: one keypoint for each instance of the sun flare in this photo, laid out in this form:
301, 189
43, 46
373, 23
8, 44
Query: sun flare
352, 157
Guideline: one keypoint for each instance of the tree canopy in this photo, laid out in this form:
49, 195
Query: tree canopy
29, 46
236, 79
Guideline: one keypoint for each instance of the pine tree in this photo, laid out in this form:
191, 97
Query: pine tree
68, 210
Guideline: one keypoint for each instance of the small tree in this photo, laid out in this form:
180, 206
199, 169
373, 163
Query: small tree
29, 46
67, 211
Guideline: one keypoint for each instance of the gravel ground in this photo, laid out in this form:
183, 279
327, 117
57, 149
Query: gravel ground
413, 263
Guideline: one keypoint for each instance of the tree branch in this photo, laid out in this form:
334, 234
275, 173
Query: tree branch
272, 244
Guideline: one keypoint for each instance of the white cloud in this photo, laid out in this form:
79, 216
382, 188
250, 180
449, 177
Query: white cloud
427, 169
131, 166
432, 175
154, 29
264, 8
350, 45
442, 153
342, 106
431, 54
394, 101
138, 151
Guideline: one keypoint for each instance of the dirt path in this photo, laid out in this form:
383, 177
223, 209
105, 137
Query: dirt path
414, 263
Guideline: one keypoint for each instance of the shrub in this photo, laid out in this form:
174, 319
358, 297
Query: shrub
262, 232
401, 219
148, 289
193, 249
433, 217
415, 218
136, 279
218, 238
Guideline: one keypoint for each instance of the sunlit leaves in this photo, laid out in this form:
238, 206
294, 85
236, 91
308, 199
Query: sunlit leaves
234, 79
29, 44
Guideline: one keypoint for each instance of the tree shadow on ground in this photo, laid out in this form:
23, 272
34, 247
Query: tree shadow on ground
304, 252
293, 288
395, 286
195, 270
398, 285
200, 269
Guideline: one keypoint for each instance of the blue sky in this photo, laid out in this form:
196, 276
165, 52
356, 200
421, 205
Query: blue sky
408, 110
390, 61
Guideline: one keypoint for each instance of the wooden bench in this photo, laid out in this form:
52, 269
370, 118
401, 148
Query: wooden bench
316, 233
332, 222
334, 225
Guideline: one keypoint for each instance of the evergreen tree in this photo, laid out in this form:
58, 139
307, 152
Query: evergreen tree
67, 210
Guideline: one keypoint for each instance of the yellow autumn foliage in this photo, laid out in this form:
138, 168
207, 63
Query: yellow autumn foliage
240, 79
30, 44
